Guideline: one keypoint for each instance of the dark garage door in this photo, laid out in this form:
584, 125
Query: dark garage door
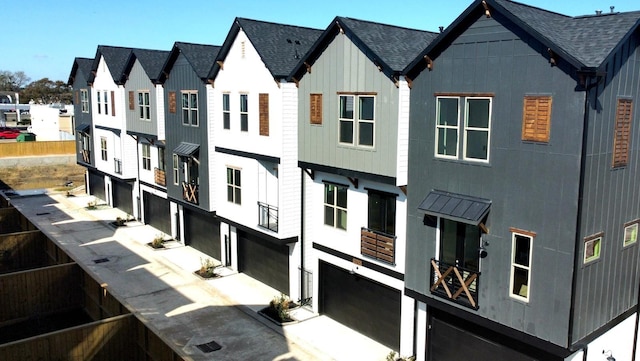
361, 304
157, 212
263, 260
96, 185
202, 232
122, 196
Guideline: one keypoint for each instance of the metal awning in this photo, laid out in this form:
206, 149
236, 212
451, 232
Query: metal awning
186, 149
457, 207
83, 128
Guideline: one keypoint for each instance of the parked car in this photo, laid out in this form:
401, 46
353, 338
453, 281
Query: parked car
9, 133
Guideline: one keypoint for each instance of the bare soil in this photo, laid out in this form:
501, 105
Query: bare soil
39, 177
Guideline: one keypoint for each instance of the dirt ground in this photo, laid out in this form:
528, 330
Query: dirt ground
38, 177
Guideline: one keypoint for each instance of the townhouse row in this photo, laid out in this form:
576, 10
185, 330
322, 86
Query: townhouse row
468, 194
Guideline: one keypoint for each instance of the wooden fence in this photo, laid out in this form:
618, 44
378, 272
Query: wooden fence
26, 149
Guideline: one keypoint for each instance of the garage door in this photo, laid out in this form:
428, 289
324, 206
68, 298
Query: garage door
263, 260
96, 185
362, 304
157, 212
202, 232
450, 340
122, 196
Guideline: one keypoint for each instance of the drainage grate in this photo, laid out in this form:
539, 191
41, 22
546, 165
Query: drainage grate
42, 214
101, 260
209, 347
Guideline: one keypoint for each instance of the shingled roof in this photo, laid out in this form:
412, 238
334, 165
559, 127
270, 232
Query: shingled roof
200, 56
151, 61
116, 58
388, 46
82, 66
584, 41
280, 46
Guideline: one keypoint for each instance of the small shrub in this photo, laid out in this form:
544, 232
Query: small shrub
207, 268
92, 204
120, 221
281, 305
392, 356
157, 241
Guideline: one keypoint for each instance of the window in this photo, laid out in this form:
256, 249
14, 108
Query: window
244, 112
382, 212
335, 206
263, 113
536, 118
190, 108
143, 105
99, 102
622, 132
315, 108
176, 172
146, 156
84, 100
233, 186
521, 265
226, 112
474, 131
106, 103
103, 148
161, 162
631, 233
459, 243
592, 247
357, 124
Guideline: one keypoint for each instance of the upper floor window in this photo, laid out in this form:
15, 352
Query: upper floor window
84, 100
631, 233
103, 148
234, 191
144, 105
521, 243
176, 169
161, 161
382, 212
99, 101
226, 111
244, 112
105, 102
622, 132
357, 123
335, 206
592, 246
190, 108
146, 156
466, 138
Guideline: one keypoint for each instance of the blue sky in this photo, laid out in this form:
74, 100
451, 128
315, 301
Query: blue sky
42, 37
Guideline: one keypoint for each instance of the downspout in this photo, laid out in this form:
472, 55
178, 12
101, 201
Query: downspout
303, 292
138, 177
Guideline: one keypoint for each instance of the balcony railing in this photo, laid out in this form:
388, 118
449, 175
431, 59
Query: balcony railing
455, 283
378, 245
159, 177
268, 216
117, 165
86, 156
190, 192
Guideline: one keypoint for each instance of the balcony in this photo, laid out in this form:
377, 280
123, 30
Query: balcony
378, 245
190, 192
117, 166
455, 283
268, 216
86, 156
159, 177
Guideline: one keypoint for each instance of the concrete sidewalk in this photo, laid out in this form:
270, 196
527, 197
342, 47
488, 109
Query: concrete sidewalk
161, 289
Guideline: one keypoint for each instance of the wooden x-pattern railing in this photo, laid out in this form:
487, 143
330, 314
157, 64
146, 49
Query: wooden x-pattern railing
453, 282
86, 156
190, 192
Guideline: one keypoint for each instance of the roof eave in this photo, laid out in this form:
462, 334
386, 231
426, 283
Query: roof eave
224, 49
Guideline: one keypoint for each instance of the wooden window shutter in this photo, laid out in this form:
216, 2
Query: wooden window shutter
132, 105
622, 132
77, 97
263, 110
536, 118
315, 108
113, 103
172, 102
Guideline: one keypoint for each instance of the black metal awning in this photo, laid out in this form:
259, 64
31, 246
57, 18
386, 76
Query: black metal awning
457, 207
186, 149
83, 128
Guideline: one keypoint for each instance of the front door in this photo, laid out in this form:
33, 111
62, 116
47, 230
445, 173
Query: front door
459, 244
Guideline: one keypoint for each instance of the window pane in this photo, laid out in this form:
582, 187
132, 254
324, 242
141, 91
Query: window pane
194, 117
328, 215
185, 116
520, 282
230, 193
226, 120
341, 219
365, 134
244, 122
376, 212
140, 99
522, 251
194, 101
225, 102
243, 103
229, 176
342, 197
346, 131
448, 141
146, 98
477, 144
631, 234
448, 111
366, 108
346, 106
478, 113
237, 177
185, 100
329, 194
238, 195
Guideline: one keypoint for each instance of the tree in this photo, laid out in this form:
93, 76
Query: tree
45, 91
13, 81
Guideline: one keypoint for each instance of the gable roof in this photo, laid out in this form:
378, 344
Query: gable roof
116, 58
280, 46
82, 66
390, 47
585, 42
151, 61
201, 57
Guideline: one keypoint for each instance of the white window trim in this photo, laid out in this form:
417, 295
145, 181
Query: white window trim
84, 100
145, 116
146, 158
176, 169
190, 108
226, 111
233, 185
246, 112
335, 206
462, 129
624, 233
590, 239
467, 128
517, 265
438, 127
104, 153
355, 121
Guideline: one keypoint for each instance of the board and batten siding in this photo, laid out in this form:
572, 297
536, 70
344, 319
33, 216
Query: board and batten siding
608, 287
183, 77
343, 67
532, 186
139, 81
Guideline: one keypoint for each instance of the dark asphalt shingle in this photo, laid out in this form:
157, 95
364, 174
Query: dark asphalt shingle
200, 56
151, 61
80, 66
